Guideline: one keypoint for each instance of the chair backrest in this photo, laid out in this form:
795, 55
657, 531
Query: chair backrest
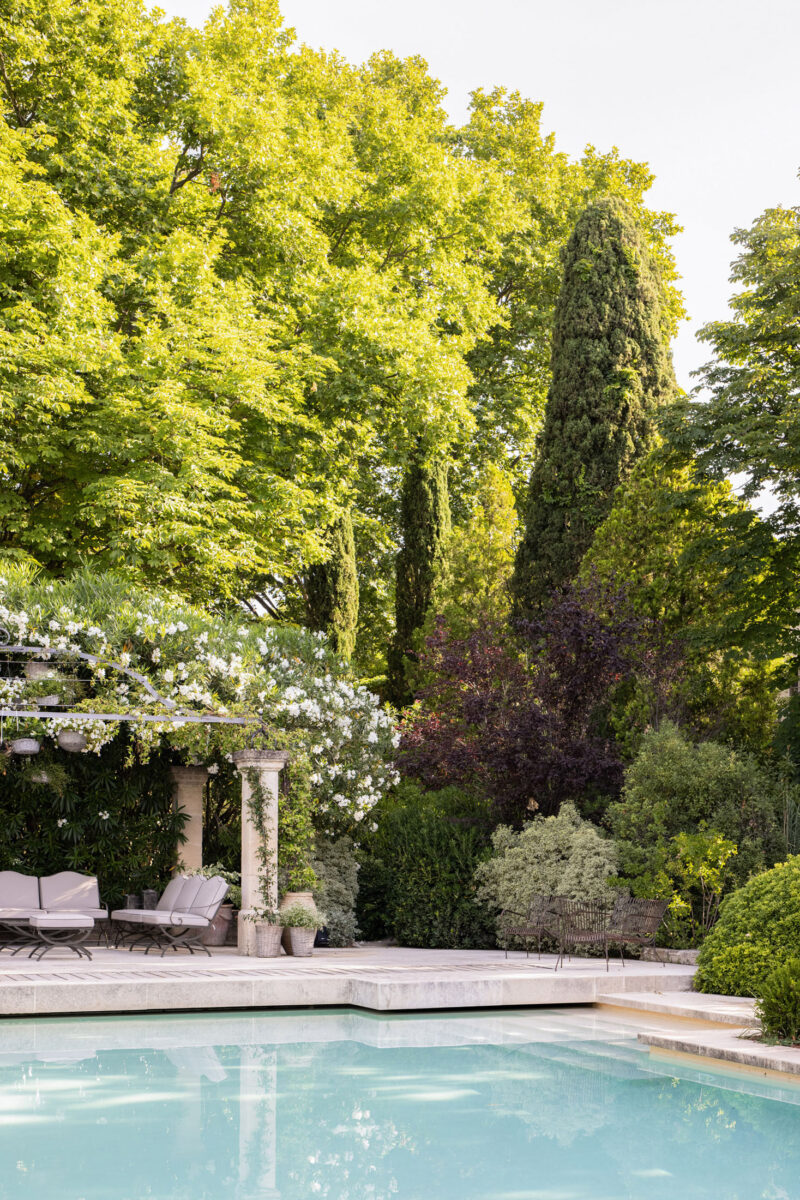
171, 892
208, 899
539, 909
69, 890
184, 901
583, 916
18, 891
645, 916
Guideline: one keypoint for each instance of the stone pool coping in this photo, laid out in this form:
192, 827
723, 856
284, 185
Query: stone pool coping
731, 1046
375, 977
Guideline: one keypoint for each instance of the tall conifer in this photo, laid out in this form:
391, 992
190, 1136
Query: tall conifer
425, 526
611, 369
332, 589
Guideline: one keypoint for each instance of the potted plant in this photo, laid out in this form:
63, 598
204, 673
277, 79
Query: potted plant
268, 932
300, 927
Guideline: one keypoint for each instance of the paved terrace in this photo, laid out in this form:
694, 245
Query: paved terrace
380, 978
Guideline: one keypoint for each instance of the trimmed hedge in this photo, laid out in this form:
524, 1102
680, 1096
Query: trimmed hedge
758, 930
416, 880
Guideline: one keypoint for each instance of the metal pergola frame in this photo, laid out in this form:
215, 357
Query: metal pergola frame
53, 714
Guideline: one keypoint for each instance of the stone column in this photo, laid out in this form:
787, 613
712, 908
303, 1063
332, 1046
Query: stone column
188, 794
268, 764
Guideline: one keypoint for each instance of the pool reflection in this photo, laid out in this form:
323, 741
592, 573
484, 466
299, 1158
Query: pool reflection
527, 1106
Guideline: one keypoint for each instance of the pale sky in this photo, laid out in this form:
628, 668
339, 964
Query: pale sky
705, 91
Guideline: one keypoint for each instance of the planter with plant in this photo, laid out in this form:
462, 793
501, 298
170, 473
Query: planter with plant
300, 927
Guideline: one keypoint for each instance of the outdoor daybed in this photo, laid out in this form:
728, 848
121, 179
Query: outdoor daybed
46, 913
187, 907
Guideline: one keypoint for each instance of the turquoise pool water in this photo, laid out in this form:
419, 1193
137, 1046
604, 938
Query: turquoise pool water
544, 1105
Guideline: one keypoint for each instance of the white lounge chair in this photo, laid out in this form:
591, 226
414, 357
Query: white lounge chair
187, 906
48, 912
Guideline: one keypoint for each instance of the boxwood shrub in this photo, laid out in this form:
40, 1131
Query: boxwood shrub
758, 930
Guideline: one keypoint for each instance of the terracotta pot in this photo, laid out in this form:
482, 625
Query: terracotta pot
301, 942
25, 746
268, 940
217, 932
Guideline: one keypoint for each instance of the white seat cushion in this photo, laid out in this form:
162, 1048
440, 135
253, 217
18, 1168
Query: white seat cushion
188, 893
98, 914
19, 891
17, 914
171, 892
152, 916
62, 920
208, 898
69, 890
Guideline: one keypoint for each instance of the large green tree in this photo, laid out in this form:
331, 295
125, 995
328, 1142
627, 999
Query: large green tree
331, 589
611, 370
425, 522
747, 425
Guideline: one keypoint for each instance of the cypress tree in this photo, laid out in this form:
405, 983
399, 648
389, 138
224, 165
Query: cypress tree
425, 526
611, 369
332, 589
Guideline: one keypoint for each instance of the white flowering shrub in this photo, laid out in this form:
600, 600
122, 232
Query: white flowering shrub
150, 652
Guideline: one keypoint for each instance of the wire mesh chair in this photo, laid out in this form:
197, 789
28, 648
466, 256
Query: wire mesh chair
583, 923
539, 920
635, 922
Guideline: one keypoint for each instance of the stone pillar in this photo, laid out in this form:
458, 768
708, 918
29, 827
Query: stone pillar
268, 764
188, 794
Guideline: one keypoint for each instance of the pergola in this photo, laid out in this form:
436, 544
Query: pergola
188, 781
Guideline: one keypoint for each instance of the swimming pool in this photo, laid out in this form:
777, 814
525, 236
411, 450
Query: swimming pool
522, 1105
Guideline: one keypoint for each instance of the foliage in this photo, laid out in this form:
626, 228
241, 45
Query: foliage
258, 803
332, 589
676, 788
109, 816
232, 878
336, 893
296, 916
778, 1006
242, 279
472, 585
528, 727
693, 871
419, 869
511, 367
296, 827
654, 543
561, 855
758, 930
748, 427
610, 373
287, 679
425, 525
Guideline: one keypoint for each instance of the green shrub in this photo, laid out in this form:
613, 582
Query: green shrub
561, 855
674, 788
336, 869
758, 929
779, 1004
417, 880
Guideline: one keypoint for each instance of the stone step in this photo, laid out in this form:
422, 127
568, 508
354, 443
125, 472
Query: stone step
694, 1006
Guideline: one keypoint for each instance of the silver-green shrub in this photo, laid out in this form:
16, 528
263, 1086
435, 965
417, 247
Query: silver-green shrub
561, 855
337, 888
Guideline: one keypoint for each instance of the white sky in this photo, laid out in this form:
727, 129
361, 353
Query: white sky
705, 91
